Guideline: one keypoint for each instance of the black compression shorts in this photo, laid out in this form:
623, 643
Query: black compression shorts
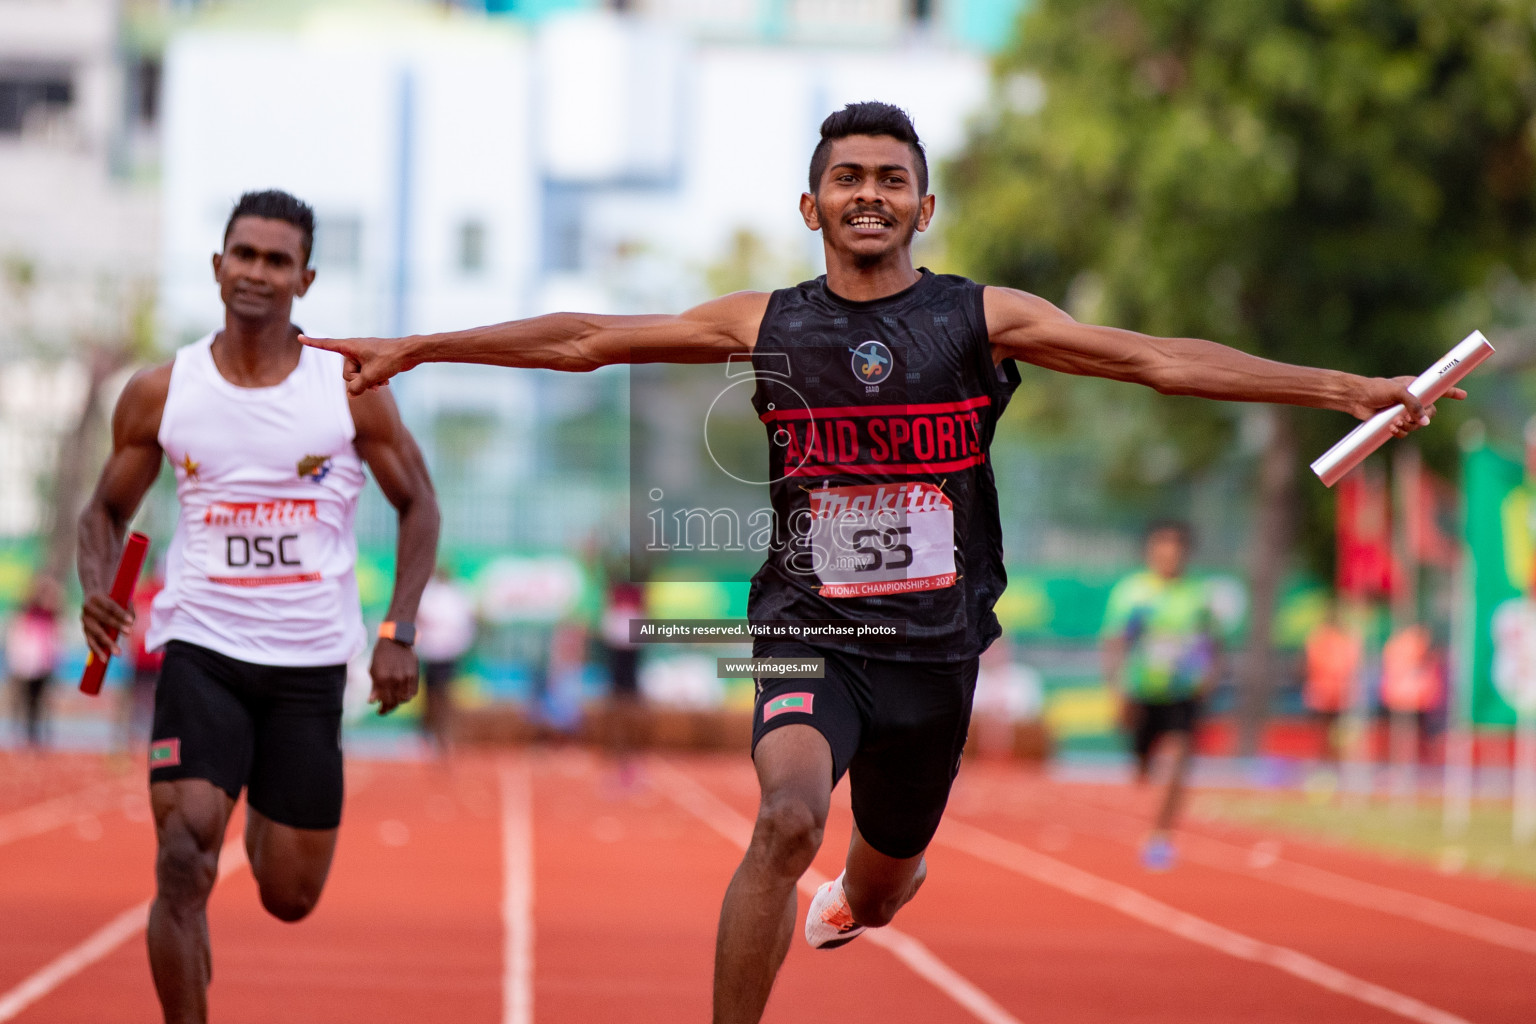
896, 728
1151, 721
273, 731
438, 674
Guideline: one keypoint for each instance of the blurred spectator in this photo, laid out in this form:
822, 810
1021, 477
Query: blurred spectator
563, 678
445, 631
1007, 694
1410, 677
1333, 654
138, 704
1161, 658
626, 602
32, 654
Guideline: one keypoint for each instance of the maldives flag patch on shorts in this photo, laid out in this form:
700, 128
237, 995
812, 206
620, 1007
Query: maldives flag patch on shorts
165, 753
788, 702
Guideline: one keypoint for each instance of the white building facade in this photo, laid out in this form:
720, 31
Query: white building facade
79, 225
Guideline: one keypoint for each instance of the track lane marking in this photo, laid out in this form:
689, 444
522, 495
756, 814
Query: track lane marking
101, 943
1317, 881
1133, 903
517, 890
736, 829
56, 812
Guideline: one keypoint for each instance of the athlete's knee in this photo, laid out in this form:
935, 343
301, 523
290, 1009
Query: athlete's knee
185, 870
289, 903
190, 816
788, 832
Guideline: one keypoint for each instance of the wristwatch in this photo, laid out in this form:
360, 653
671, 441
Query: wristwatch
399, 632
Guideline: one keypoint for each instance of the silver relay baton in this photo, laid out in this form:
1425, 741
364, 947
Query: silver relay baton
1337, 461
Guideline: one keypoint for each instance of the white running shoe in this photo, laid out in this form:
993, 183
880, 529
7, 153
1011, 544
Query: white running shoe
829, 923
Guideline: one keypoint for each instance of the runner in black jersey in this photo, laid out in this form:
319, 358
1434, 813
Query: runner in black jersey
886, 505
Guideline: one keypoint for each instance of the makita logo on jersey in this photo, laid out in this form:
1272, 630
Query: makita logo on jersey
872, 439
872, 500
258, 515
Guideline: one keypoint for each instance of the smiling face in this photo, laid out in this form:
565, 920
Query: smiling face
867, 205
262, 269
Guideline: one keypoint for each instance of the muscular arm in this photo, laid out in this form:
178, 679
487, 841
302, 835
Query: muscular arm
708, 333
125, 479
1028, 328
391, 453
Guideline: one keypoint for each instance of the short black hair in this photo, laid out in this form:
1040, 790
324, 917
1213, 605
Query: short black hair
1185, 531
869, 118
274, 204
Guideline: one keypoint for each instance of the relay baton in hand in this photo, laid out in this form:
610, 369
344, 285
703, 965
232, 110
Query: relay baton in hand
127, 577
1427, 387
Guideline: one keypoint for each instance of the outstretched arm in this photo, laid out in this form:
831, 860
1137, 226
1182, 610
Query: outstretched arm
129, 473
1028, 328
708, 333
391, 453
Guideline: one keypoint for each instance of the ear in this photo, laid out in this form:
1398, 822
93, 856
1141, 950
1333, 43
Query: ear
809, 212
218, 264
925, 211
306, 279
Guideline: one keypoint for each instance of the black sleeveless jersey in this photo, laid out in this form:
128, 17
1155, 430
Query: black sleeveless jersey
879, 417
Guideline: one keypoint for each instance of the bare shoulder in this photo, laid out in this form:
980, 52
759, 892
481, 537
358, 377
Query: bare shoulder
1010, 309
140, 406
736, 316
375, 416
151, 384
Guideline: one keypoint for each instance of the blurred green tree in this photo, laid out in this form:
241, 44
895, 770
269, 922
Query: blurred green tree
1311, 180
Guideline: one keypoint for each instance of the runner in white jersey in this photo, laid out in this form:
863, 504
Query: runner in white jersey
260, 613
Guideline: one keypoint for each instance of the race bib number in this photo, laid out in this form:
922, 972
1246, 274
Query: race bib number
260, 543
882, 539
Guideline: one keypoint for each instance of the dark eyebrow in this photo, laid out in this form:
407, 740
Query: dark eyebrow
883, 168
250, 251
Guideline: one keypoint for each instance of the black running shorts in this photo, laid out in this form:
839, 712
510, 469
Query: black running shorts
273, 731
436, 675
896, 727
1151, 721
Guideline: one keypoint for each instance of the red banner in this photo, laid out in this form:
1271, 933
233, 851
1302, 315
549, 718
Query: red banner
1364, 525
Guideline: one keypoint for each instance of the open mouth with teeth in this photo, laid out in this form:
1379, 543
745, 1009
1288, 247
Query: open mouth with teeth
868, 222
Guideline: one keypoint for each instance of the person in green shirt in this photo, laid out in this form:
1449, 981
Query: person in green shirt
1161, 659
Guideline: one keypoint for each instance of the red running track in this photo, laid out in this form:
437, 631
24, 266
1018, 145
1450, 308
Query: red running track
536, 886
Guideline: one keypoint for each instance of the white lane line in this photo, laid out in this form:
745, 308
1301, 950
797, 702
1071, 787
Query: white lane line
1136, 904
1328, 884
55, 813
736, 829
106, 939
517, 891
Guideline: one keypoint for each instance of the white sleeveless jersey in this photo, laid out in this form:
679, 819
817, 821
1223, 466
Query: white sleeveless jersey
261, 564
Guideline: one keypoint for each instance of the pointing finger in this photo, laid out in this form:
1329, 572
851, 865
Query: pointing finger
329, 344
